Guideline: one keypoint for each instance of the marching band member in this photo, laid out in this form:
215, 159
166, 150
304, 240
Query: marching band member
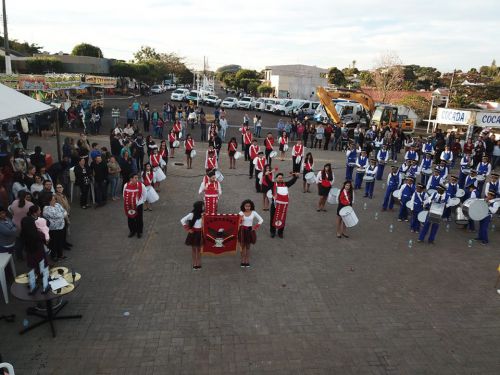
134, 195
189, 147
247, 140
493, 184
171, 139
163, 151
465, 166
413, 170
232, 147
266, 184
438, 197
451, 190
283, 140
427, 147
192, 223
361, 163
177, 128
371, 171
425, 165
155, 161
403, 169
211, 159
246, 233
212, 191
148, 180
418, 199
382, 158
435, 180
324, 180
407, 191
443, 169
483, 170
269, 143
260, 163
393, 183
254, 152
351, 157
279, 206
472, 193
447, 155
411, 154
307, 167
471, 180
243, 130
297, 155
484, 224
345, 198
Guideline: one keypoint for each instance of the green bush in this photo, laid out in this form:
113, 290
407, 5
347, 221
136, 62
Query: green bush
42, 65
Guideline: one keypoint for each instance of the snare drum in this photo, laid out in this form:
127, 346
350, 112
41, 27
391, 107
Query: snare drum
422, 216
310, 178
475, 209
431, 192
259, 176
285, 147
351, 164
219, 176
369, 178
273, 154
175, 144
480, 178
237, 155
427, 172
436, 212
460, 193
269, 194
298, 159
348, 216
466, 171
452, 202
333, 195
192, 154
409, 205
360, 170
396, 194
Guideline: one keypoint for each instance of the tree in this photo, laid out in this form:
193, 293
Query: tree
418, 103
23, 48
252, 87
243, 76
146, 53
336, 77
366, 78
42, 65
388, 75
85, 49
265, 89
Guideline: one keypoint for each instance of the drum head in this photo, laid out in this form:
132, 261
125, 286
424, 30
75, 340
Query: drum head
480, 177
460, 193
273, 154
175, 144
310, 178
397, 194
237, 155
193, 153
427, 171
431, 191
344, 211
360, 170
368, 178
422, 216
478, 209
452, 202
219, 176
409, 205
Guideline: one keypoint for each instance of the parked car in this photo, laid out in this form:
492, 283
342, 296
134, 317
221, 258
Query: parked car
170, 86
258, 103
247, 102
308, 107
270, 103
212, 100
179, 95
286, 108
229, 102
156, 89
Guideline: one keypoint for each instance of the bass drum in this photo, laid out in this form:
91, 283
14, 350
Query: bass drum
475, 209
348, 216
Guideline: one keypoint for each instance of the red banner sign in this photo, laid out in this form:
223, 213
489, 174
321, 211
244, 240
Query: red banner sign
220, 234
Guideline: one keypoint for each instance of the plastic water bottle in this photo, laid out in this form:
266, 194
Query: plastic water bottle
469, 244
26, 323
391, 228
492, 227
126, 313
365, 206
376, 215
447, 227
410, 244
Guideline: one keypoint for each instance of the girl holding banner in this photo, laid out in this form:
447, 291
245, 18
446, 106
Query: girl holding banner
246, 233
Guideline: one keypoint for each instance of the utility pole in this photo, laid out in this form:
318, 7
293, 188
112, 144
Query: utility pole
451, 85
8, 66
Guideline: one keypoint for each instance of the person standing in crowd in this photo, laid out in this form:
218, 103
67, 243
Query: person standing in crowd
148, 179
393, 183
114, 177
493, 184
254, 153
34, 241
279, 205
439, 197
100, 174
484, 223
351, 158
269, 143
232, 147
8, 233
134, 196
212, 190
297, 156
345, 198
382, 159
56, 215
63, 201
419, 197
407, 191
266, 184
324, 179
308, 167
223, 128
210, 159
260, 163
192, 223
246, 233
19, 209
189, 148
370, 174
283, 143
83, 178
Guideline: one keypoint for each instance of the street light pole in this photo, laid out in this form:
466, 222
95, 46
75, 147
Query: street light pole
8, 66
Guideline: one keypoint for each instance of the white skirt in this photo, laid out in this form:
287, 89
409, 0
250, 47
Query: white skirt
151, 194
158, 174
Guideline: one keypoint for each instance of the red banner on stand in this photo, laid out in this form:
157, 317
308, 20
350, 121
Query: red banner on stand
220, 234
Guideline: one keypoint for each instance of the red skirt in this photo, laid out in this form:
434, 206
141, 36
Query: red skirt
247, 236
194, 239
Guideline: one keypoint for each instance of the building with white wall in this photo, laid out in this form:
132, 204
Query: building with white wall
295, 81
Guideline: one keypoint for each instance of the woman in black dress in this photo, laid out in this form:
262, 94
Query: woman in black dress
325, 182
33, 239
192, 223
232, 147
308, 167
346, 198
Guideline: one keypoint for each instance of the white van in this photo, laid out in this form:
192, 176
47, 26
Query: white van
179, 95
308, 107
287, 107
270, 103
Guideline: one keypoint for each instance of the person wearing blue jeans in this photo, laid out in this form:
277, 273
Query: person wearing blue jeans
407, 191
370, 174
361, 163
439, 197
419, 197
351, 156
393, 182
484, 224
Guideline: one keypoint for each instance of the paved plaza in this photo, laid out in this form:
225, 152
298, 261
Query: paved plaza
310, 304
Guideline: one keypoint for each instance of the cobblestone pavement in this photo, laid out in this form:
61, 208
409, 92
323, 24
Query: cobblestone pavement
310, 304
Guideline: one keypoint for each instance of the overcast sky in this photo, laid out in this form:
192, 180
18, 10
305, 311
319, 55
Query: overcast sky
254, 33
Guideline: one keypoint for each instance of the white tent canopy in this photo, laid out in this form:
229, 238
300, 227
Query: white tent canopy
14, 104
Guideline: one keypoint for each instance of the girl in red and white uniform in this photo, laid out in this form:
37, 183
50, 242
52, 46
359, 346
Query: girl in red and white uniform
243, 131
189, 147
171, 139
266, 184
307, 166
177, 128
259, 163
246, 233
297, 156
212, 191
192, 223
164, 156
324, 180
148, 179
232, 147
254, 152
155, 160
268, 144
345, 198
283, 142
247, 140
211, 159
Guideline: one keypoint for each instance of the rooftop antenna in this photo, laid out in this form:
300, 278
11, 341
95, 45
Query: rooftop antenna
8, 66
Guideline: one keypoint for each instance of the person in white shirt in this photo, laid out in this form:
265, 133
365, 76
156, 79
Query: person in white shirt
192, 223
246, 233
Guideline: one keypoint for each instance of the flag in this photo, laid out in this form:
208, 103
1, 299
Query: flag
220, 233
